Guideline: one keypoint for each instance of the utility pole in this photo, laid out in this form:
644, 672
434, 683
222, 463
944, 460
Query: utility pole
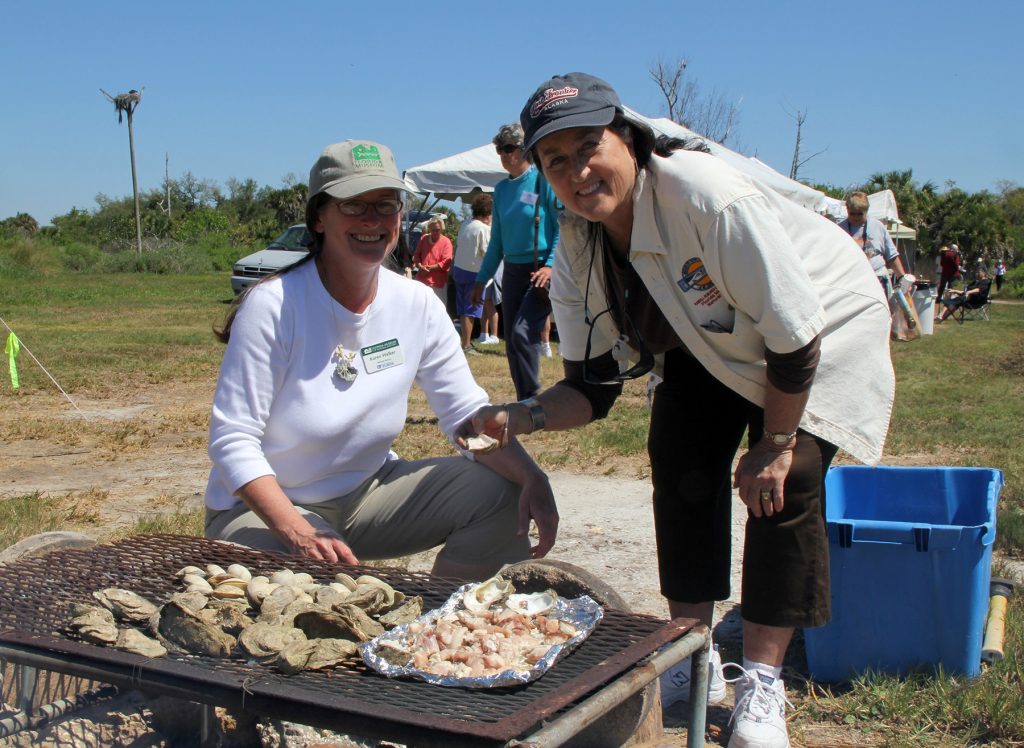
126, 104
167, 180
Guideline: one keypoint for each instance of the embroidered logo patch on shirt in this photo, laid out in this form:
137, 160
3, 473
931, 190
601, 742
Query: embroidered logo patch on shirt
694, 278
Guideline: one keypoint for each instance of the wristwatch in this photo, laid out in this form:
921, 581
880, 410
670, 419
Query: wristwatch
779, 438
536, 413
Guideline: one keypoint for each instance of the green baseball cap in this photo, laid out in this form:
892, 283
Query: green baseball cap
353, 167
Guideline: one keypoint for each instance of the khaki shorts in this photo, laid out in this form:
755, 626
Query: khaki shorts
406, 508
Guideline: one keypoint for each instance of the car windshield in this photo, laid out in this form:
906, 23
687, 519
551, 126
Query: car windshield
295, 238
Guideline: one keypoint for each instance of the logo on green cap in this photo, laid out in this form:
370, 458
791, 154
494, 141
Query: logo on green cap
367, 157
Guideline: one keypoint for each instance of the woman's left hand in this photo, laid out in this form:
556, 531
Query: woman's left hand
537, 501
760, 475
541, 278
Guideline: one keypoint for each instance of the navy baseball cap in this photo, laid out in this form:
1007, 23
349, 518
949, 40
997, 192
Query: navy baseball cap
570, 100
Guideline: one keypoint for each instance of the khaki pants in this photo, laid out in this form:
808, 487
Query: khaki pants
407, 507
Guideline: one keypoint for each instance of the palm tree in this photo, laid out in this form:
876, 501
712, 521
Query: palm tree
126, 103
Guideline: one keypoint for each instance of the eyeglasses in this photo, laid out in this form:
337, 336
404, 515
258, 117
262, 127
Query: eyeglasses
357, 207
508, 149
641, 367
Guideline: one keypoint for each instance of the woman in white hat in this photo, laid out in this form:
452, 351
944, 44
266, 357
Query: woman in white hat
313, 391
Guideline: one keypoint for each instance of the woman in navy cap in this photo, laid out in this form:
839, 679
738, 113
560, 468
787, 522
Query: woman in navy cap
759, 316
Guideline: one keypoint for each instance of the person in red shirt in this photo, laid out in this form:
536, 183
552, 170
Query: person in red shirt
949, 269
433, 259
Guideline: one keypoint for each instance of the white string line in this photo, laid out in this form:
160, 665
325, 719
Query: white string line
22, 345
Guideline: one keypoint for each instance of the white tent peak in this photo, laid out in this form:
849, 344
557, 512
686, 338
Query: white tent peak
479, 170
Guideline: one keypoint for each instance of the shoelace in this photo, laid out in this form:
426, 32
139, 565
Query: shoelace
762, 700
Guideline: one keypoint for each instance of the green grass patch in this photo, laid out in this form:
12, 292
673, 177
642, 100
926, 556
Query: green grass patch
24, 516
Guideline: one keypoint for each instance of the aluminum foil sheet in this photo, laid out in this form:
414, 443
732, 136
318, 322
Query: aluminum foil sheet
582, 612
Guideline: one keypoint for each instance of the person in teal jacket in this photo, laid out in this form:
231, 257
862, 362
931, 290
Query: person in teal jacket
524, 232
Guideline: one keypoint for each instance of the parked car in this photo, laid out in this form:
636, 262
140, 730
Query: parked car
285, 250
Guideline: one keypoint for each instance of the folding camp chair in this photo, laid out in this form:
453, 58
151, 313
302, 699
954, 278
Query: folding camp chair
974, 307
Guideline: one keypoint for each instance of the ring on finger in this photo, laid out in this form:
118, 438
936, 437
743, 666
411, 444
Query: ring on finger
766, 496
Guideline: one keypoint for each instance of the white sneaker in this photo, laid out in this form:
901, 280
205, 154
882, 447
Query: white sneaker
759, 719
483, 339
545, 350
493, 339
675, 682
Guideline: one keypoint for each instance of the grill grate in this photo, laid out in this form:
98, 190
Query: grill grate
35, 594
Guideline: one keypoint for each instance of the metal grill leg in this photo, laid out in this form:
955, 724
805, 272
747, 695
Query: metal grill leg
699, 695
27, 681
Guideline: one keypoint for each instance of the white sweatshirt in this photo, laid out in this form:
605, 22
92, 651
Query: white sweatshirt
280, 410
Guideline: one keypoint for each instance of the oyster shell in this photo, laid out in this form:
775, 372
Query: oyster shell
263, 640
227, 618
314, 654
480, 598
125, 604
95, 626
194, 601
330, 595
134, 641
184, 628
370, 597
342, 622
533, 604
80, 609
410, 610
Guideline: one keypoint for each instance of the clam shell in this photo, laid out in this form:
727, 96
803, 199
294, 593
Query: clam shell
237, 570
282, 576
214, 569
343, 578
301, 578
186, 570
196, 583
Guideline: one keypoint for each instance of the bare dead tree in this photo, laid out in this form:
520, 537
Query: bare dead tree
126, 103
710, 115
795, 166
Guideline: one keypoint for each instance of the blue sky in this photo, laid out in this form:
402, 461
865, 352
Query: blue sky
257, 89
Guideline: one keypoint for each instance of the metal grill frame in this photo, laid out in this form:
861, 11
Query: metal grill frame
35, 593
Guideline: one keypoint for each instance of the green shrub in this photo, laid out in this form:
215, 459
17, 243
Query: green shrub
1013, 283
80, 257
173, 259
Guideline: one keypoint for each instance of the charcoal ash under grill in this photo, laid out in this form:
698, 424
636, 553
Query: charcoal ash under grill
35, 594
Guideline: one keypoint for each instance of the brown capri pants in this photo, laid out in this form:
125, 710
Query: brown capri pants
697, 424
406, 508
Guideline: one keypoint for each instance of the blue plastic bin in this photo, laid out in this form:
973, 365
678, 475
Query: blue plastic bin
910, 557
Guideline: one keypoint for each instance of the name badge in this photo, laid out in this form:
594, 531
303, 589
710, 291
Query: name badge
530, 198
380, 356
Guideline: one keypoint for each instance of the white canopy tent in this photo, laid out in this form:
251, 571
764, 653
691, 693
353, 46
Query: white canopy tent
479, 170
881, 206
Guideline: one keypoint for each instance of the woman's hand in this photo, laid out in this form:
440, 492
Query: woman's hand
541, 278
477, 295
324, 545
760, 475
537, 502
268, 501
492, 420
